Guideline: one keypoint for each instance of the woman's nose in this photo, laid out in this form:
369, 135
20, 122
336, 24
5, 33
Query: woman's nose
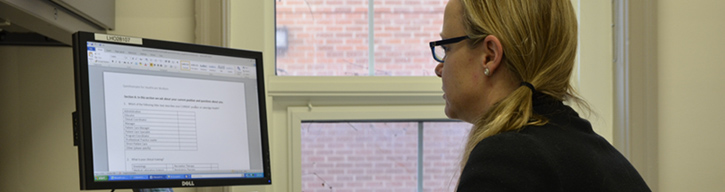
439, 70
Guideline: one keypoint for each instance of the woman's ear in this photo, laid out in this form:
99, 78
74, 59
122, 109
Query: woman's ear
493, 53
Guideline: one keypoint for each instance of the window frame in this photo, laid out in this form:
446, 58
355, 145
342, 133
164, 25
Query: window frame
297, 115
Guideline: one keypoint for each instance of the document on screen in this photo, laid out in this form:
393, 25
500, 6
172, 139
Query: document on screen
174, 124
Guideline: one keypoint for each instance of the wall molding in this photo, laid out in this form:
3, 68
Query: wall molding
635, 85
211, 22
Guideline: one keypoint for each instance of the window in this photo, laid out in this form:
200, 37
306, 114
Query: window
337, 37
355, 156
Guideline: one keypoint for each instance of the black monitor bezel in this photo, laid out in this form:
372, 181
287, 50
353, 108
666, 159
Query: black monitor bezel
82, 116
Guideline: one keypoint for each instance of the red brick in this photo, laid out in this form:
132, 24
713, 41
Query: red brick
341, 177
343, 35
412, 2
334, 28
324, 35
344, 165
284, 9
324, 165
342, 9
357, 15
402, 35
361, 9
366, 165
361, 35
335, 171
402, 9
363, 178
397, 2
334, 2
355, 28
359, 21
374, 158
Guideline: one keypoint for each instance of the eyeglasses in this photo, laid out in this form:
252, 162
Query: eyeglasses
439, 51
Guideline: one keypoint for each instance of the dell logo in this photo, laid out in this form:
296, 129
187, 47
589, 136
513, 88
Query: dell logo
187, 183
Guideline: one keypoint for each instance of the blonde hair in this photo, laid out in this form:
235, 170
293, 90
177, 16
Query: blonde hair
539, 40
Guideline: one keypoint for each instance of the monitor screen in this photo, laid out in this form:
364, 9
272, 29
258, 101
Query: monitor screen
152, 114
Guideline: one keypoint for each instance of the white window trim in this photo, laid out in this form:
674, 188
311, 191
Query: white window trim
408, 86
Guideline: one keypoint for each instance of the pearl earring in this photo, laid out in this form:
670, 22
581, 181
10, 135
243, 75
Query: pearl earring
487, 72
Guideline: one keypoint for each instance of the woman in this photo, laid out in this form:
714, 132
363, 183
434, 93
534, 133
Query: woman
505, 66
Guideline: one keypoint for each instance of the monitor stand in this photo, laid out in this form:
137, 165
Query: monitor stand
154, 190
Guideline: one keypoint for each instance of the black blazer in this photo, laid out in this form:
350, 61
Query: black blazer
563, 155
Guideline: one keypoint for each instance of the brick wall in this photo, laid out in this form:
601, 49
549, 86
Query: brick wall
356, 157
330, 37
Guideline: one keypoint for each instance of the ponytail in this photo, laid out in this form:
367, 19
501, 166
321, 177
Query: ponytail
513, 112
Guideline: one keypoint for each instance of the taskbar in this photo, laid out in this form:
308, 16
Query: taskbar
176, 176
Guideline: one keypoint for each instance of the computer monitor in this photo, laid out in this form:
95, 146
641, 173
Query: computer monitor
160, 114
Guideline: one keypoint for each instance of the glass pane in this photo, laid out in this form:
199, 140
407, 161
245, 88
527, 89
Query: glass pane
442, 148
380, 156
323, 37
331, 37
359, 156
403, 29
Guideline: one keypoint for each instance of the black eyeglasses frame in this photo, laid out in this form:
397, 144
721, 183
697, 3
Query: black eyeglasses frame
433, 44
